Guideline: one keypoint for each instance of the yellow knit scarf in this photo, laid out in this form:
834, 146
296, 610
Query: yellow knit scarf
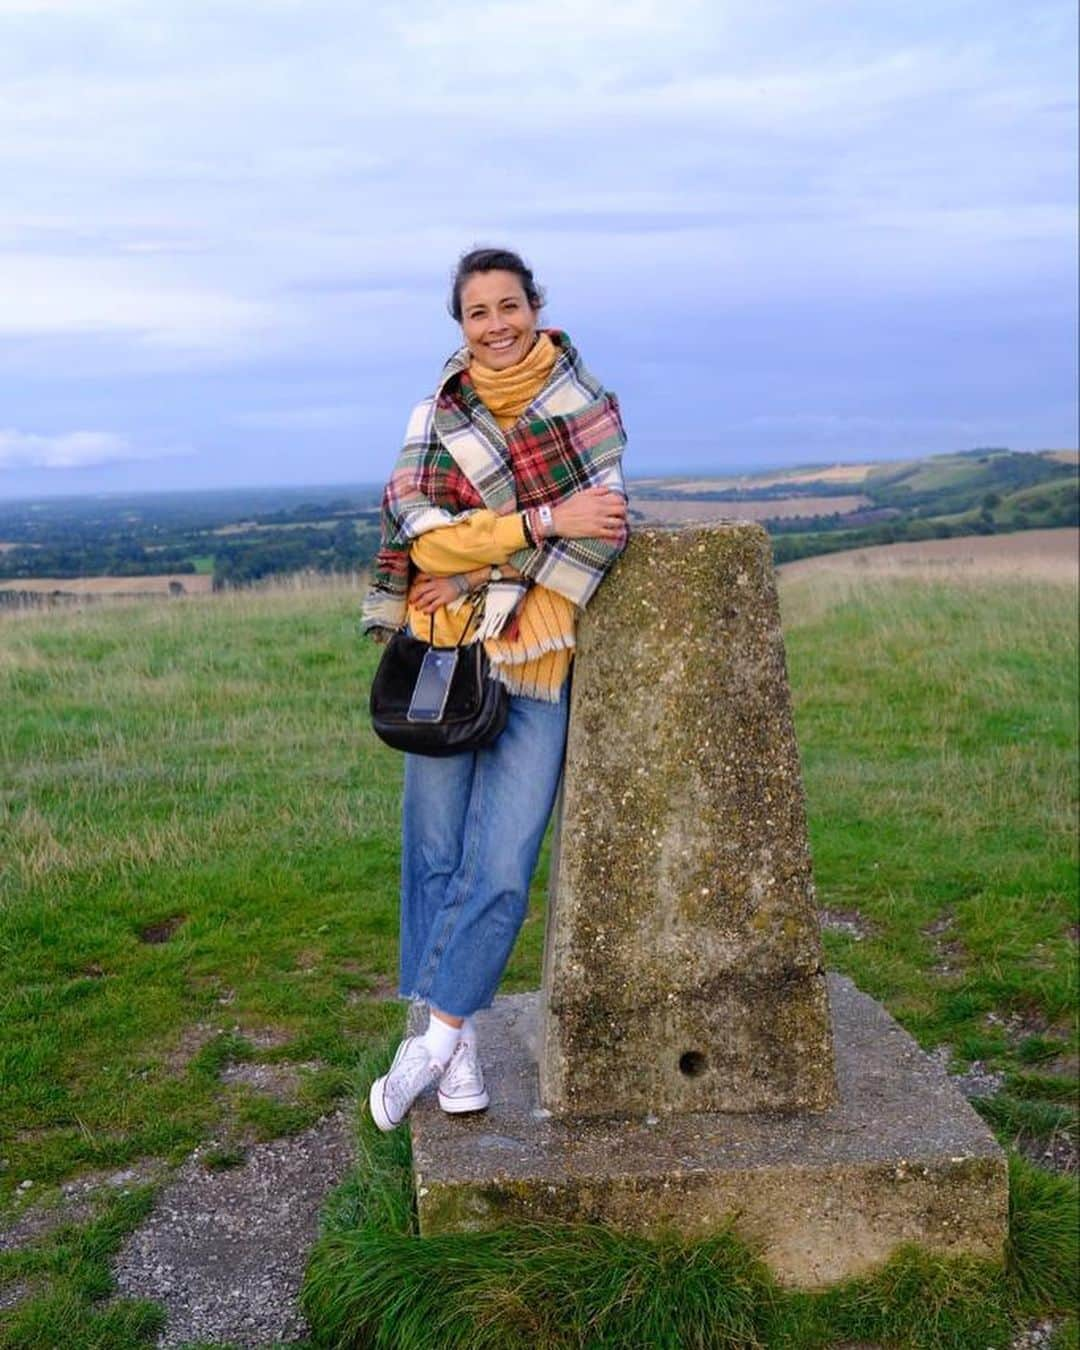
509, 392
535, 662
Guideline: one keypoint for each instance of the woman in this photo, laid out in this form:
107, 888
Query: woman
509, 484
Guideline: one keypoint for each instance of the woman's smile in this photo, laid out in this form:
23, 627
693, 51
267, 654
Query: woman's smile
497, 320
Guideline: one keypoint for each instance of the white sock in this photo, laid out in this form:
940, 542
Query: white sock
468, 1031
440, 1039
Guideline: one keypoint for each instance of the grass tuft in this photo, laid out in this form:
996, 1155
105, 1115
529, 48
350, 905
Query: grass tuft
1044, 1246
373, 1282
533, 1286
68, 1311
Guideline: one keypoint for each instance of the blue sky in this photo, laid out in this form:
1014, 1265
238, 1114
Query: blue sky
782, 232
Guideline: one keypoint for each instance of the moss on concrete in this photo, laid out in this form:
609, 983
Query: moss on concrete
682, 898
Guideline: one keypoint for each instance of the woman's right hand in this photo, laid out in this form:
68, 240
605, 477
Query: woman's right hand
592, 513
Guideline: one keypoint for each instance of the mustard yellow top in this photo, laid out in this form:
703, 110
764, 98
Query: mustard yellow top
535, 662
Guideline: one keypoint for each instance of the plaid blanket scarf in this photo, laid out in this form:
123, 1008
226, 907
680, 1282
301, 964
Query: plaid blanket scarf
457, 460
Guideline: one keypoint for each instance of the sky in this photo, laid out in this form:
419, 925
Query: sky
782, 232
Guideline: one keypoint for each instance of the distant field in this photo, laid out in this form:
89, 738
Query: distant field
831, 473
193, 584
837, 473
247, 526
683, 512
1050, 555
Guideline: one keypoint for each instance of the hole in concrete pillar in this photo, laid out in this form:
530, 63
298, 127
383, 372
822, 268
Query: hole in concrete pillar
691, 1063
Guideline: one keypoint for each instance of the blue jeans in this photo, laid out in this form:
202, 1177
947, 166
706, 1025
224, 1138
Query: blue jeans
472, 825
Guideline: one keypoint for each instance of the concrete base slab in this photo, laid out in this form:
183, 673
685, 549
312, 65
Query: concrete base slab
900, 1158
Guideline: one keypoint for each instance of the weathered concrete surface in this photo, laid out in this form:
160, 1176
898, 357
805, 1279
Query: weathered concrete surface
683, 965
901, 1157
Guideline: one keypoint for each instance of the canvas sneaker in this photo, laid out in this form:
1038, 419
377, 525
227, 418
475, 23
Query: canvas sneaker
411, 1072
461, 1087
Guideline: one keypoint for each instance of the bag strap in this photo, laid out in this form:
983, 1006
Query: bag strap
468, 624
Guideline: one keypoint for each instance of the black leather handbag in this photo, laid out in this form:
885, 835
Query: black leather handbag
476, 705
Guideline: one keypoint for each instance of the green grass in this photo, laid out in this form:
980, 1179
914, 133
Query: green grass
371, 1282
938, 728
68, 1278
205, 768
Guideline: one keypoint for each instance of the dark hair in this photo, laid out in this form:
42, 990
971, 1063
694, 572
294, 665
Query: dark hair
492, 260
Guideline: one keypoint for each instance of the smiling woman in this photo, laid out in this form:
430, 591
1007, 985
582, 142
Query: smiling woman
509, 485
497, 307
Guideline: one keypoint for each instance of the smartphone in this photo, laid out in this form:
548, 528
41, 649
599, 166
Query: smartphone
433, 685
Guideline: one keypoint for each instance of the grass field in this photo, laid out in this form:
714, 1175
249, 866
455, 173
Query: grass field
1028, 555
200, 866
778, 508
155, 584
833, 473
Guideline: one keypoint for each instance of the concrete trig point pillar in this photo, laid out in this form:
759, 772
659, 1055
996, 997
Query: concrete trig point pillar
683, 969
688, 1059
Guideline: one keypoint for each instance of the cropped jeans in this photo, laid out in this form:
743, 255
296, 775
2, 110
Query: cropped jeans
472, 825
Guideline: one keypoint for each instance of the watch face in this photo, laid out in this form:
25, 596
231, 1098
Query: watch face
496, 574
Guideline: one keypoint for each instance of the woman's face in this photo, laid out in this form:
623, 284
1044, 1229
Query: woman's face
497, 320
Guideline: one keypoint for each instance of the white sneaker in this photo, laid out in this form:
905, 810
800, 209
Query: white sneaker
393, 1094
461, 1087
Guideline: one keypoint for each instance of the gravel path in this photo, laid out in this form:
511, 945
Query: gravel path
224, 1251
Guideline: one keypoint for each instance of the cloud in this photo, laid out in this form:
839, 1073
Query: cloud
70, 450
314, 418
245, 193
62, 295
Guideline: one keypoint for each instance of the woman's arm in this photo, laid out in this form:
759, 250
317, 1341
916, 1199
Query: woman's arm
429, 593
483, 537
479, 540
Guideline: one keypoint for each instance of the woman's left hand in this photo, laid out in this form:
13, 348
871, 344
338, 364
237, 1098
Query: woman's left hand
428, 593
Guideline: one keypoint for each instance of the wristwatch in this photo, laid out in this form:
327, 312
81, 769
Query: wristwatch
496, 573
547, 520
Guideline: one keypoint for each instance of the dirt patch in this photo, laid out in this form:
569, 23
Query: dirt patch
952, 958
379, 989
191, 1040
847, 921
225, 1250
1056, 1154
1036, 1336
266, 1038
976, 1080
1050, 555
280, 1081
1021, 1026
15, 1293
951, 954
155, 933
77, 1202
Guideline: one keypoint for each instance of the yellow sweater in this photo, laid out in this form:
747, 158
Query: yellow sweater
536, 662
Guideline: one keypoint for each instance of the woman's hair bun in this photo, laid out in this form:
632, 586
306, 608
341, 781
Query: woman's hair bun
492, 260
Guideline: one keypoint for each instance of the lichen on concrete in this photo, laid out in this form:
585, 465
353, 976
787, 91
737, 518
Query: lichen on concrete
683, 966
